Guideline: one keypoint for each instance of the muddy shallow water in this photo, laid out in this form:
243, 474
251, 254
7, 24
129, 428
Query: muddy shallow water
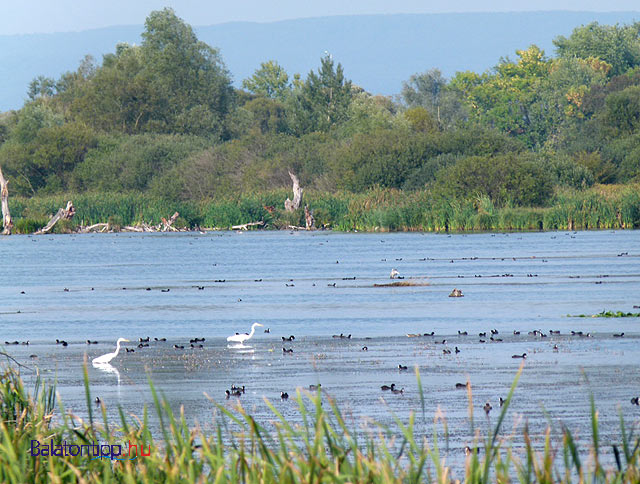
286, 281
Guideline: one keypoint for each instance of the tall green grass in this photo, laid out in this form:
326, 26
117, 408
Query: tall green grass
602, 207
322, 449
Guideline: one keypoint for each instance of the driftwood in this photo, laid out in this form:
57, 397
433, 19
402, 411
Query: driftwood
246, 226
308, 218
63, 214
101, 227
7, 223
291, 205
167, 224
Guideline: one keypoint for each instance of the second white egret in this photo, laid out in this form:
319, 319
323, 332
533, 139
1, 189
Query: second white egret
242, 337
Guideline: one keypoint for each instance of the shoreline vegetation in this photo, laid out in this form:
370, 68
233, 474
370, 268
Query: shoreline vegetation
538, 142
378, 210
324, 449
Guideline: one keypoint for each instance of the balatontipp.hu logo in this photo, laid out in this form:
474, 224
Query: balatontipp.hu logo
93, 450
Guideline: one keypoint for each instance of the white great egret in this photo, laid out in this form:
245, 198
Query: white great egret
109, 356
242, 337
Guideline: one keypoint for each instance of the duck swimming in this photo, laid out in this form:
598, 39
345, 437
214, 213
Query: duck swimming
402, 368
487, 408
284, 395
523, 356
461, 385
387, 387
456, 293
290, 338
285, 350
397, 392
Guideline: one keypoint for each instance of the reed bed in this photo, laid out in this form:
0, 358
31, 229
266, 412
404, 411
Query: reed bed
322, 449
601, 207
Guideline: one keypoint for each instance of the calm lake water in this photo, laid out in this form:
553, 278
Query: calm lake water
315, 285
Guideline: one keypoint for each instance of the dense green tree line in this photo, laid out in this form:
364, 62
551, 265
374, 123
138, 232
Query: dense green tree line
164, 118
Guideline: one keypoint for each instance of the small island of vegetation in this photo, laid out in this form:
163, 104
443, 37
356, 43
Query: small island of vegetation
536, 143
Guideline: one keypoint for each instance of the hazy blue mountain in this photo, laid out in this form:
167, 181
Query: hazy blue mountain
378, 52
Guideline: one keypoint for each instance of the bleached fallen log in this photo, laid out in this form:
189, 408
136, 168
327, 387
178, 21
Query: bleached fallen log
247, 225
63, 214
94, 227
131, 228
7, 223
291, 205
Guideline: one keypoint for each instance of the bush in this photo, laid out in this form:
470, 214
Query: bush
505, 178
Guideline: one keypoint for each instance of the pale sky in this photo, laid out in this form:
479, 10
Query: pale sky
45, 16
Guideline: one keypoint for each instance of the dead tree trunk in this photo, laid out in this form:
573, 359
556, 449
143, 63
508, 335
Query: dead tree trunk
291, 205
7, 223
167, 224
308, 218
63, 214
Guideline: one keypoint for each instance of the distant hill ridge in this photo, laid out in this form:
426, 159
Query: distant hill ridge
378, 52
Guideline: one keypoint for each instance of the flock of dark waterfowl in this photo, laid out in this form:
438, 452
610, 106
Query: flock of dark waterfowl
237, 391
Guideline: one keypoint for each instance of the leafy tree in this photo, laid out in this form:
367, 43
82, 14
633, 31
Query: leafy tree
40, 159
618, 45
622, 110
41, 86
421, 120
126, 163
431, 91
189, 86
269, 115
31, 119
270, 80
322, 101
172, 83
368, 114
424, 90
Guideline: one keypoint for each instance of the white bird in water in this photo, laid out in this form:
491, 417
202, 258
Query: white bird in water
394, 273
242, 337
109, 356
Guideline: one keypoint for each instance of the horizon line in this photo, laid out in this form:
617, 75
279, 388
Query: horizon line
317, 17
